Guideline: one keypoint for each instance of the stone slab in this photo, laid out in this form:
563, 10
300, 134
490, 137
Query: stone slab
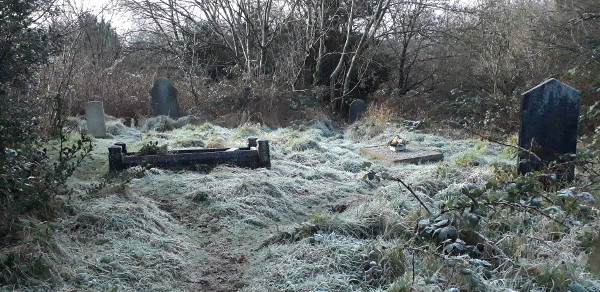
549, 119
412, 154
357, 108
94, 115
164, 98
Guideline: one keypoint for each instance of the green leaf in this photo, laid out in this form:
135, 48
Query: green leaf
429, 230
556, 209
494, 197
535, 202
430, 281
492, 184
479, 263
441, 223
473, 219
477, 192
446, 233
424, 222
450, 203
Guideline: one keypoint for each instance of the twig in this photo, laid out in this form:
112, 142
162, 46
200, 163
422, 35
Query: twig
569, 211
445, 286
516, 205
433, 253
413, 269
484, 240
412, 192
538, 239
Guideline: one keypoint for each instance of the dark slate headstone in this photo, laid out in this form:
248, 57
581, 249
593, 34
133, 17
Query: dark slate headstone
164, 98
549, 119
244, 96
357, 109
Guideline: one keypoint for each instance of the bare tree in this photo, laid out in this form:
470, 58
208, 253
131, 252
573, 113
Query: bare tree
373, 13
413, 28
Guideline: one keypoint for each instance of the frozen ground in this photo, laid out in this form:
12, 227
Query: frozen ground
310, 223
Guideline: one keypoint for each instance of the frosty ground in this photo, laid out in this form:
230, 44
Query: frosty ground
310, 223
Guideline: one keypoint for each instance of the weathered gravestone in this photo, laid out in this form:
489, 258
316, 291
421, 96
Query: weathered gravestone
357, 109
164, 98
549, 118
94, 115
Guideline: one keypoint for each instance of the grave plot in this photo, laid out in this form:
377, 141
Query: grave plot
255, 155
412, 154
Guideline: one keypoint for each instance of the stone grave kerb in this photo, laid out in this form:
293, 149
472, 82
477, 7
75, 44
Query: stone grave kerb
549, 121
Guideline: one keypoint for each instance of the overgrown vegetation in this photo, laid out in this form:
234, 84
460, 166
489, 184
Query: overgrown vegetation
34, 164
324, 217
431, 60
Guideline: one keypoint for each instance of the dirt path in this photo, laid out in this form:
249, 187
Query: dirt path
223, 260
228, 230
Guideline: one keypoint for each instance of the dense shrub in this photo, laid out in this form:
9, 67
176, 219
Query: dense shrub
33, 168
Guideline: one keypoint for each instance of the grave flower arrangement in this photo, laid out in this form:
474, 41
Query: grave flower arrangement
397, 143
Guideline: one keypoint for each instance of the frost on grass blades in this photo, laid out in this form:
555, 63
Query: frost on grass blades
313, 222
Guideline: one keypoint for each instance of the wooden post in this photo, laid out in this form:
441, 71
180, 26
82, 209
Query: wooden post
264, 156
115, 158
252, 142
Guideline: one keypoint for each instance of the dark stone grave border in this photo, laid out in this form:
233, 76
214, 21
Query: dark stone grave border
255, 155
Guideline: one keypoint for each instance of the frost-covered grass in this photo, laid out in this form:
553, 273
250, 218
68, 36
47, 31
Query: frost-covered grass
310, 223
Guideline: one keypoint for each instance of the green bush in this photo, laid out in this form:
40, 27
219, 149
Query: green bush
34, 164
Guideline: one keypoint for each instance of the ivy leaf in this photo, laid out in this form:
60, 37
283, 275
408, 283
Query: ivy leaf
473, 219
586, 196
494, 197
441, 223
492, 184
450, 203
424, 222
429, 230
446, 232
535, 202
479, 263
477, 192
454, 246
429, 281
556, 209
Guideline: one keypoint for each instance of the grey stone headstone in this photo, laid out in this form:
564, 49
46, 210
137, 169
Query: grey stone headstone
356, 111
164, 98
549, 119
94, 115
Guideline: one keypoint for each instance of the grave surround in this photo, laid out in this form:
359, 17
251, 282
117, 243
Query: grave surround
255, 155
